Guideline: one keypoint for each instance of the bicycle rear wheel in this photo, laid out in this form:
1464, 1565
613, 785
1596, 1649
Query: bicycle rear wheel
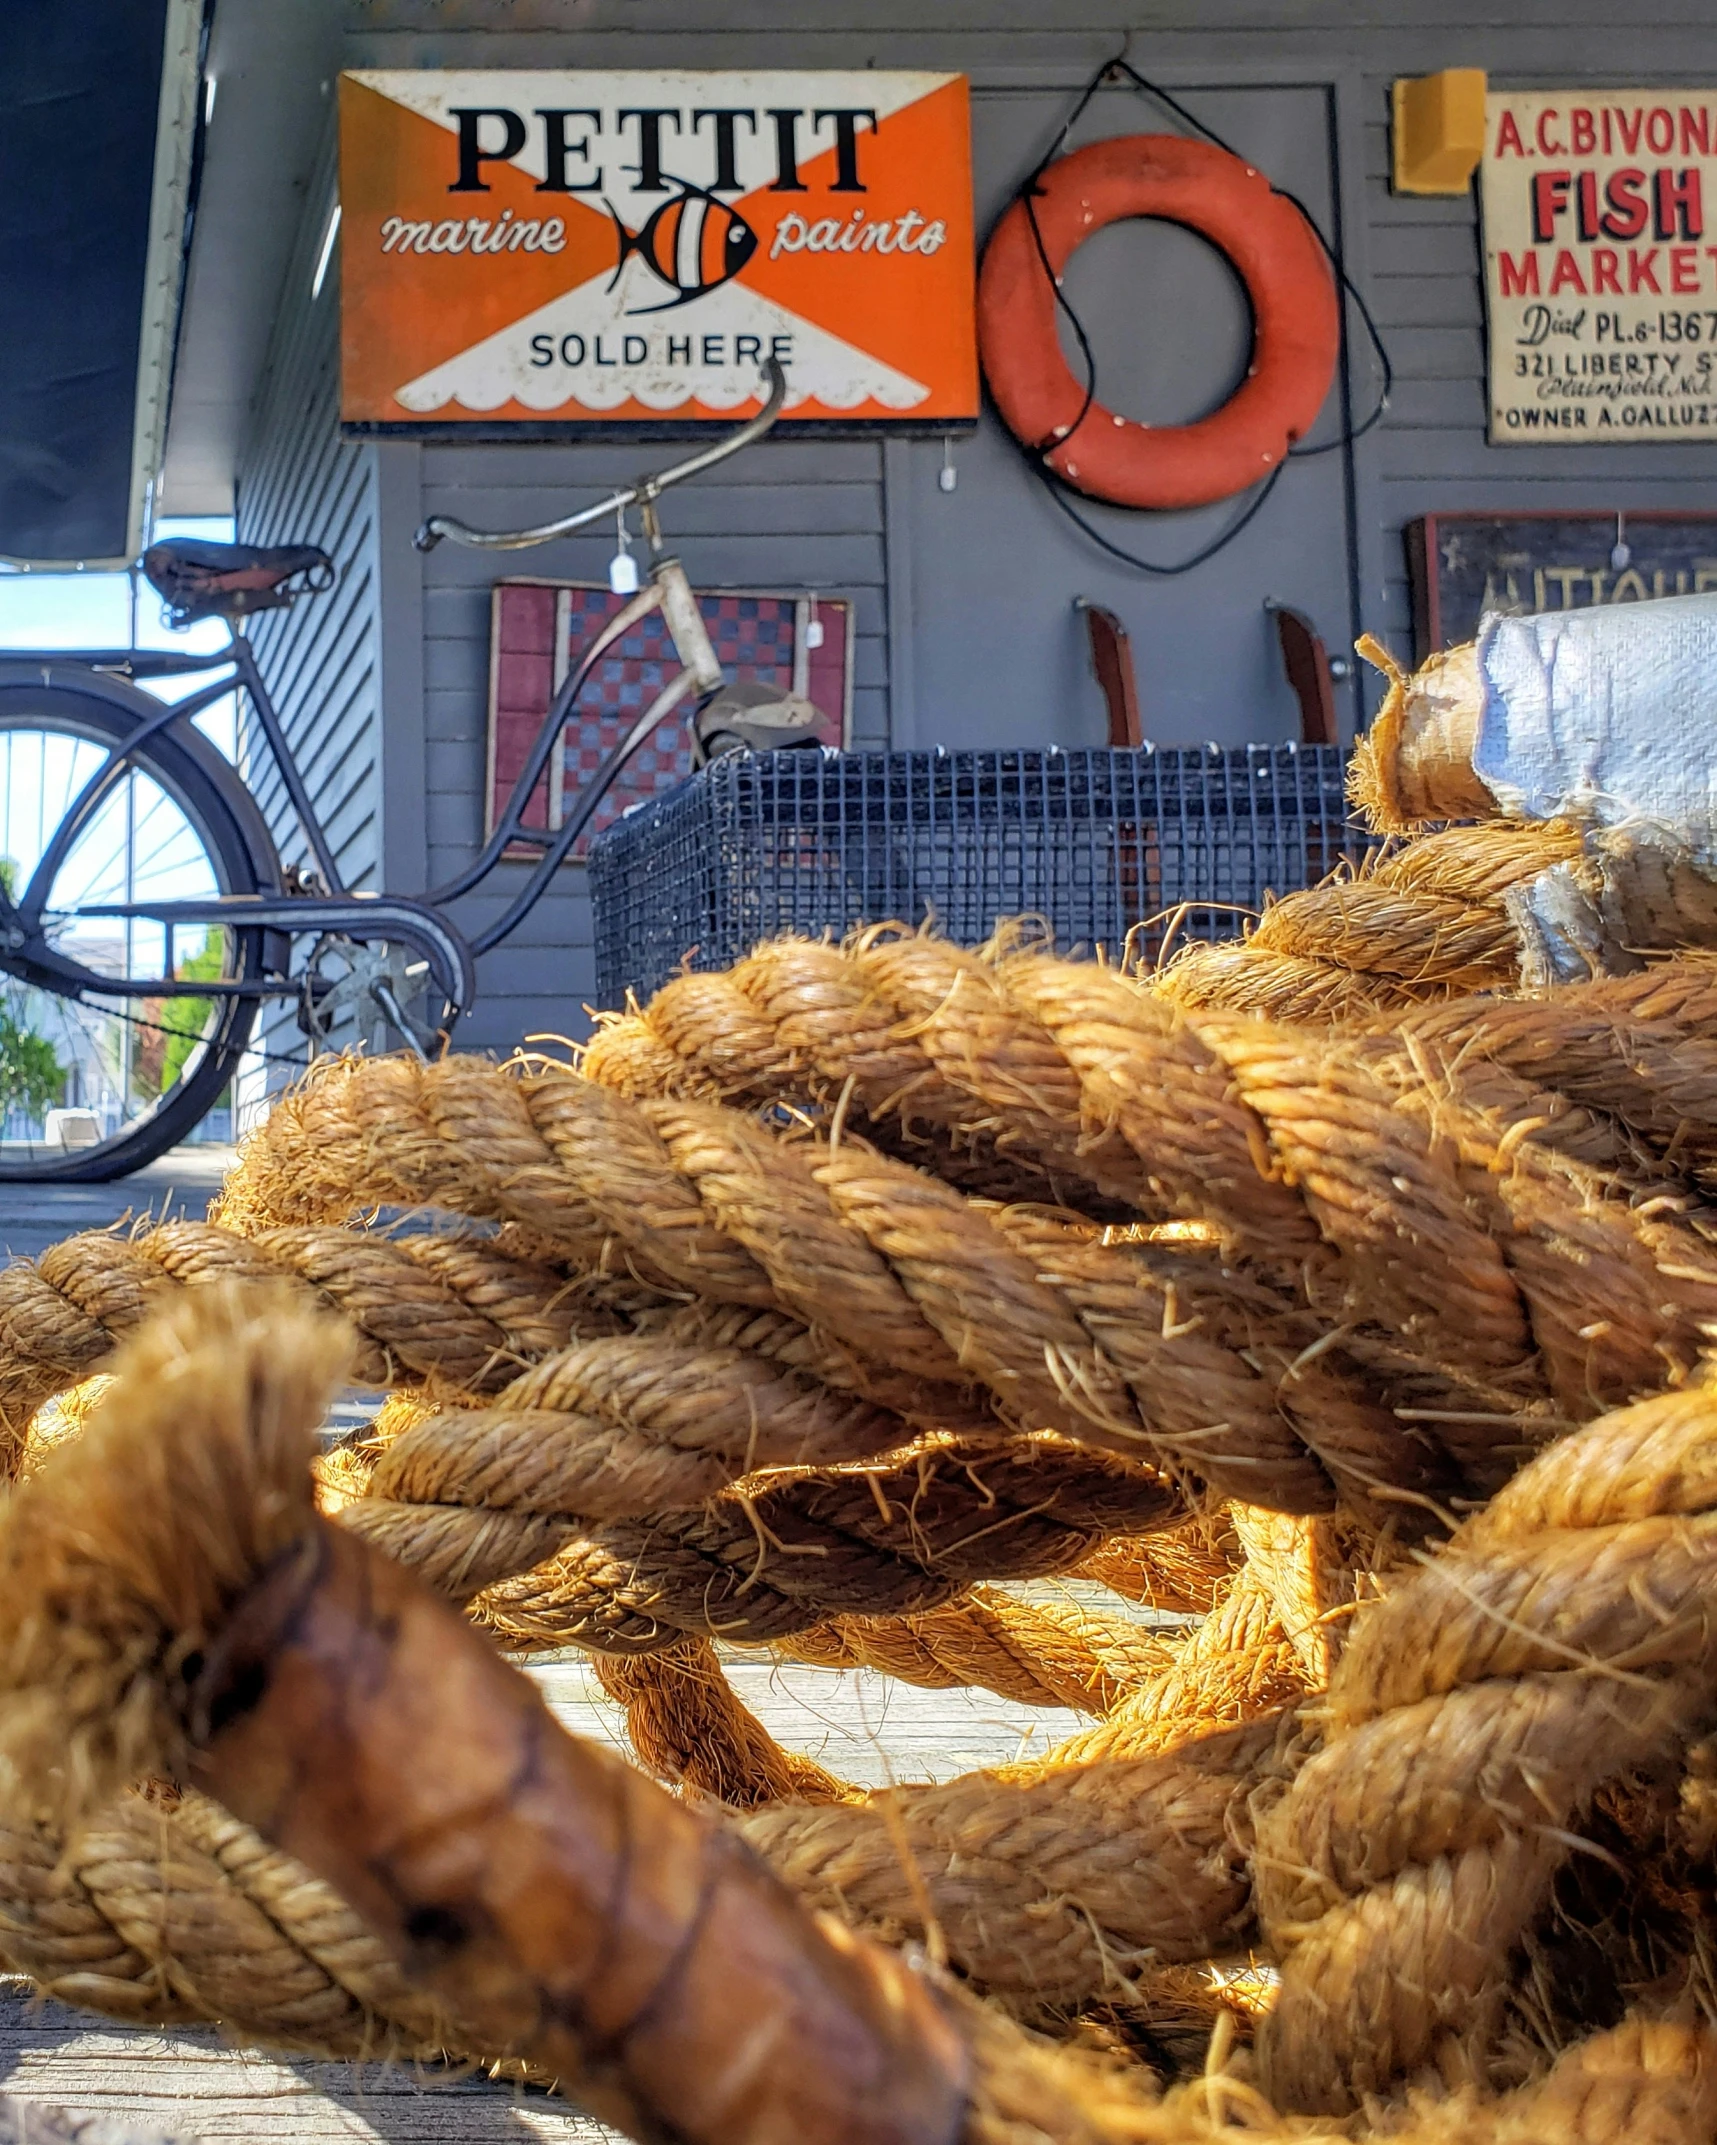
93, 1086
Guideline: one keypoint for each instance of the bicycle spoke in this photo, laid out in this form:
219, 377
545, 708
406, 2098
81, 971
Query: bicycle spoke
176, 840
146, 1067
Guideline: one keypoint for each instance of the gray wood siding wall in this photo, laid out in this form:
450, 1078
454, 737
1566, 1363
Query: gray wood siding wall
862, 518
299, 482
809, 514
1418, 260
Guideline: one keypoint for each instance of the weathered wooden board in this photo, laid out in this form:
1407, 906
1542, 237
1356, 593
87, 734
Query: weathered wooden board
1464, 566
180, 1184
188, 2083
33, 2122
865, 1726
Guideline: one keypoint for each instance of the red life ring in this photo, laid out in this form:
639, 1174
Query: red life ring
1274, 250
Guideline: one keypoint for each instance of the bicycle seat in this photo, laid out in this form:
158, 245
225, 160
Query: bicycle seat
203, 580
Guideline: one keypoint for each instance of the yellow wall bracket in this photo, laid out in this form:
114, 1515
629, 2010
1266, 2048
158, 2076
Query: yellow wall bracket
1439, 131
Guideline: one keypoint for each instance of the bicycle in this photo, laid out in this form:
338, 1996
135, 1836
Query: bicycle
149, 811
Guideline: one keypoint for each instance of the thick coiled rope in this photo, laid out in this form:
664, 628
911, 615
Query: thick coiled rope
637, 1427
1422, 1238
648, 1437
623, 1427
468, 1495
913, 1280
1427, 921
908, 1021
1183, 1750
1640, 1049
462, 1309
1009, 1042
1566, 1637
173, 1510
1227, 1119
1036, 1653
1238, 1665
754, 1222
1562, 1643
1181, 1570
1044, 1889
166, 1911
689, 1726
766, 1563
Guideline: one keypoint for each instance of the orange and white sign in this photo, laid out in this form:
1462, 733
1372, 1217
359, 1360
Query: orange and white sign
617, 246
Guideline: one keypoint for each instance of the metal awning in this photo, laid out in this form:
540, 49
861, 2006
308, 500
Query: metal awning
99, 105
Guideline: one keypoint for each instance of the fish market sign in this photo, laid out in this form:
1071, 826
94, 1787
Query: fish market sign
605, 247
1601, 265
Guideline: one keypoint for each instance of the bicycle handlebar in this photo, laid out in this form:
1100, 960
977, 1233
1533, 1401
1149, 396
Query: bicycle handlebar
647, 488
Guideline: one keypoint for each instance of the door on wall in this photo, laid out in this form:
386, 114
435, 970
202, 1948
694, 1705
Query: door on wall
989, 571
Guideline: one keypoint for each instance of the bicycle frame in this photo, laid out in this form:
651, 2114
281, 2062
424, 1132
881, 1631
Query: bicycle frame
336, 908
667, 591
356, 915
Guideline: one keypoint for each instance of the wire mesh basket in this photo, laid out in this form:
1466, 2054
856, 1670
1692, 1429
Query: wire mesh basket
1099, 844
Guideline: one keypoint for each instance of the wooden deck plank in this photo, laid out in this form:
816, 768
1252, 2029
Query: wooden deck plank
867, 1727
190, 2083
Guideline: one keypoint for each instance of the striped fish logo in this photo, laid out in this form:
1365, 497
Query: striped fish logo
693, 244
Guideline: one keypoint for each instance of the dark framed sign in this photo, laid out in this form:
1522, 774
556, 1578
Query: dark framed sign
786, 637
1465, 565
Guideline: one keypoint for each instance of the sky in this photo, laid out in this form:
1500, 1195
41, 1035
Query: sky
116, 610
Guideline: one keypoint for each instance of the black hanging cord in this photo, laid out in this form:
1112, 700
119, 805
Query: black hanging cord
1058, 491
1386, 369
1385, 365
1122, 68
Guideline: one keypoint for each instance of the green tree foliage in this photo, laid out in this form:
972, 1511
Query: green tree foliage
187, 1018
31, 1076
